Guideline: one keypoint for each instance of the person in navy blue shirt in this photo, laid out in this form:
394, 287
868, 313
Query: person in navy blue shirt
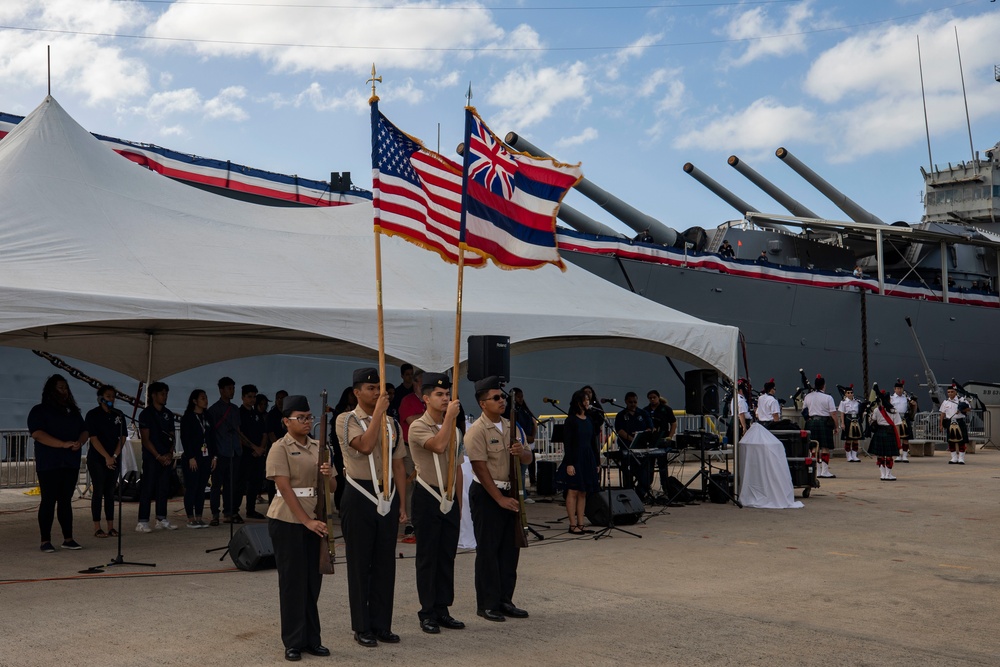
107, 430
156, 427
252, 430
199, 456
226, 478
59, 432
628, 424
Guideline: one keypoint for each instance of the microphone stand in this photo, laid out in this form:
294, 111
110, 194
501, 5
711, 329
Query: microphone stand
607, 530
119, 559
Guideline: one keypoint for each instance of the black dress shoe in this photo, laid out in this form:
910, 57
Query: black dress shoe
319, 650
507, 609
430, 626
366, 639
491, 615
447, 621
387, 636
293, 654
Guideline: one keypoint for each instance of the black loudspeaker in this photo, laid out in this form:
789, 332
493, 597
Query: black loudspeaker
701, 392
251, 548
545, 478
489, 355
625, 506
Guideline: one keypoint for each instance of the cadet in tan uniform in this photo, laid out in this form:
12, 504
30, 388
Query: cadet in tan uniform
494, 509
436, 519
295, 532
370, 523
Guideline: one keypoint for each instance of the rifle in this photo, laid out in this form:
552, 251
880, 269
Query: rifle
516, 484
324, 499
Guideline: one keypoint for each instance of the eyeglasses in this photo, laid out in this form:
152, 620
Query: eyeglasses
303, 419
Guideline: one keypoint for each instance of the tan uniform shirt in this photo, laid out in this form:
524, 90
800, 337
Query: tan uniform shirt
484, 442
422, 430
300, 465
355, 463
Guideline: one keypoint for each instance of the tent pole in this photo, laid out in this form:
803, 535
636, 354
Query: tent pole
452, 478
386, 435
149, 370
736, 420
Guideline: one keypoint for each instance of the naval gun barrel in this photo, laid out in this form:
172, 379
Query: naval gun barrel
719, 190
628, 214
581, 222
773, 191
842, 201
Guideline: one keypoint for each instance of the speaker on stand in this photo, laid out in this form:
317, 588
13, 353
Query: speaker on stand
489, 355
701, 392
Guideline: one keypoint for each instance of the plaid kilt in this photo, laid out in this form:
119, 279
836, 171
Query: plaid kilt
852, 428
821, 430
883, 442
905, 432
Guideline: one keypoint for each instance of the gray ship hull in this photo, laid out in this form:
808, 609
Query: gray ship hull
788, 326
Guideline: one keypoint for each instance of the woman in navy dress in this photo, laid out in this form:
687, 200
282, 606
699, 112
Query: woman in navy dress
579, 472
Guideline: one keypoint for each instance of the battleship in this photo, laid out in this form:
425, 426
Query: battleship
827, 295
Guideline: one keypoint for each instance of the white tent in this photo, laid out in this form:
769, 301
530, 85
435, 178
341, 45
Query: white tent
105, 261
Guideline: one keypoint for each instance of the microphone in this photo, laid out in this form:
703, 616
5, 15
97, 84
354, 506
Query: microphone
553, 401
607, 400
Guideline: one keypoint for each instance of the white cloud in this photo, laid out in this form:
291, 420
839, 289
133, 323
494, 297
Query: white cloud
763, 125
89, 66
633, 51
528, 95
447, 81
415, 36
225, 106
170, 103
756, 25
588, 135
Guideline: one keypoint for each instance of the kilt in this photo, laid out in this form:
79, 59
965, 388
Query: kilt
962, 436
905, 432
852, 427
821, 430
883, 442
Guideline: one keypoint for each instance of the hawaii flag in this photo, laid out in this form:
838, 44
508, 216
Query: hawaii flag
417, 192
510, 200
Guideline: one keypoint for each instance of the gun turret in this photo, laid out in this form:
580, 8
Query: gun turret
634, 218
718, 190
842, 201
773, 191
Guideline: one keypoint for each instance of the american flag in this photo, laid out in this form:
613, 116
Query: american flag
511, 200
417, 193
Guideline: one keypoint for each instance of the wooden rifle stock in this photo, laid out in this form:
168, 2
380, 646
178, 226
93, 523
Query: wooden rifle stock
516, 484
324, 499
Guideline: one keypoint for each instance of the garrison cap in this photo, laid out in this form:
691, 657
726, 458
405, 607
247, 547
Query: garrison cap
488, 383
436, 380
366, 376
294, 404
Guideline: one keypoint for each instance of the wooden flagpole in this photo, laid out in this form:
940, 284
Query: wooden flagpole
452, 442
383, 426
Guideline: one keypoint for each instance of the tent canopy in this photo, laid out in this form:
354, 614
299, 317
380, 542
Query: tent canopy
110, 263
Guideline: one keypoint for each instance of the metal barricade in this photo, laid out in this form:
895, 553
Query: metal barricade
927, 426
17, 459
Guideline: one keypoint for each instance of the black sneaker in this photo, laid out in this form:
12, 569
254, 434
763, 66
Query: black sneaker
47, 548
71, 544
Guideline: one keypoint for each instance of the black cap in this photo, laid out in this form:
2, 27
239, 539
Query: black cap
488, 383
262, 398
294, 404
365, 376
899, 383
436, 380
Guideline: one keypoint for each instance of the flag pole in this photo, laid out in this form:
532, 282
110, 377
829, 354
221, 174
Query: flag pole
452, 442
383, 426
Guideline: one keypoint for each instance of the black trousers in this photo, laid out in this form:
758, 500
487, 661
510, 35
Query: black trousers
226, 486
496, 553
57, 487
155, 483
102, 480
253, 476
437, 542
194, 485
296, 555
370, 549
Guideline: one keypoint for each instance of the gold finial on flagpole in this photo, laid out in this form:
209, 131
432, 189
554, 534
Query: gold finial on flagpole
373, 80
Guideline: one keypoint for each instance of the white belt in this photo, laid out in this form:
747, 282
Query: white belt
382, 505
302, 492
503, 486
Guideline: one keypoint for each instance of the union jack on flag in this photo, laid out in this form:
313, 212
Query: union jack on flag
510, 200
417, 193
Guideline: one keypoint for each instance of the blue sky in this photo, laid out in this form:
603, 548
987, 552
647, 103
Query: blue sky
632, 89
